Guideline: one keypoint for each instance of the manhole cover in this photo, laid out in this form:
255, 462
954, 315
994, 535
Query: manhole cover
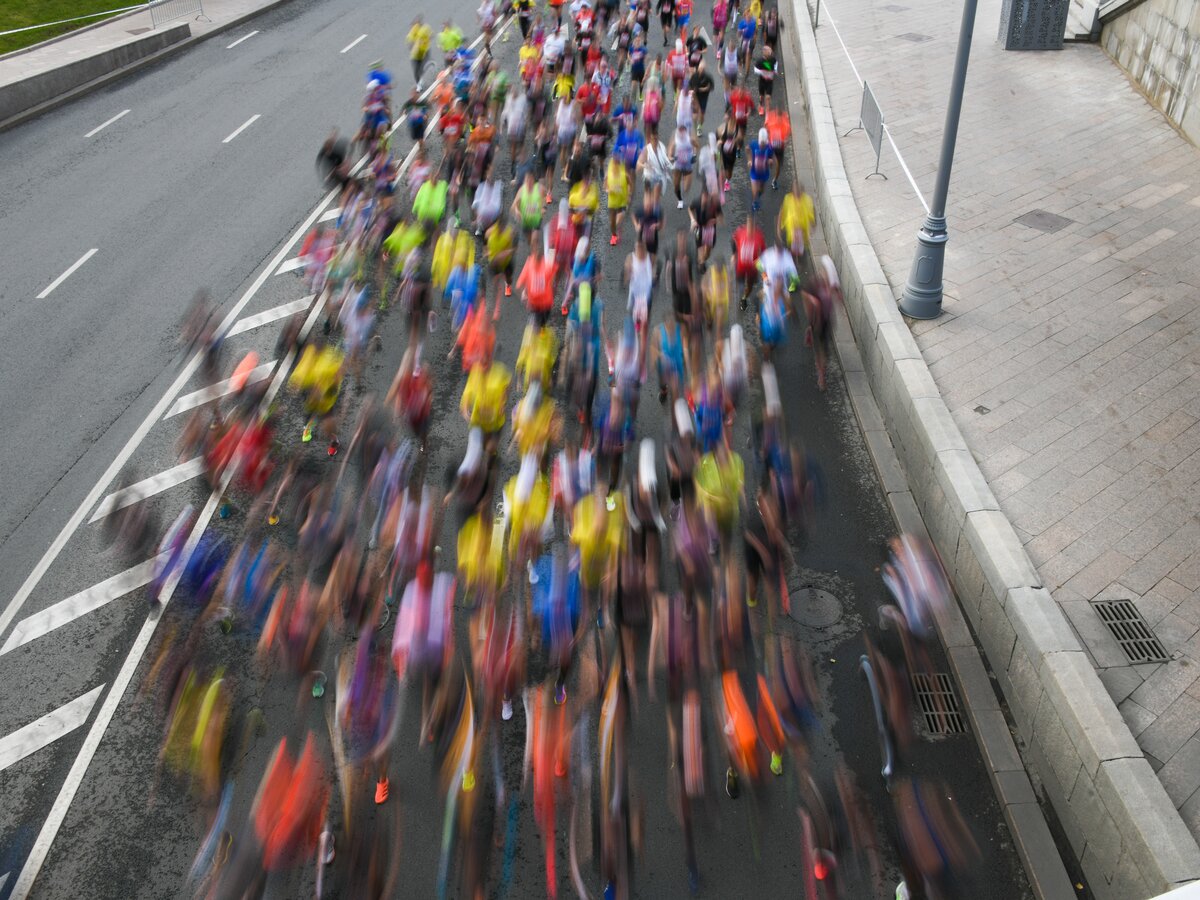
915, 37
1042, 220
816, 608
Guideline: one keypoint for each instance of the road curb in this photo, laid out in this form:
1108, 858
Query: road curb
122, 70
1122, 826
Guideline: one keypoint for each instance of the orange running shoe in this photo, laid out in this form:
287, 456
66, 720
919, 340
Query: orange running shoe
381, 790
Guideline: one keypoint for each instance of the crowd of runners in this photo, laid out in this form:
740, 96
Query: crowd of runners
629, 553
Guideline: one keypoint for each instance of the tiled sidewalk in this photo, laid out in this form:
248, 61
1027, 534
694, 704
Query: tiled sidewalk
1069, 350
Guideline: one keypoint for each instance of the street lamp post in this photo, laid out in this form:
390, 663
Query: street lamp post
922, 297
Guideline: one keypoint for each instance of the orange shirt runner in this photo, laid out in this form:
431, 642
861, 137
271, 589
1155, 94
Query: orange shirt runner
537, 280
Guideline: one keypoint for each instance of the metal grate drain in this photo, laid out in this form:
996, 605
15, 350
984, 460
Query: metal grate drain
1131, 631
938, 703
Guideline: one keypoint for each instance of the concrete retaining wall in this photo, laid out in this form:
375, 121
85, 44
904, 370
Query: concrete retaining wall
1122, 826
28, 93
1157, 43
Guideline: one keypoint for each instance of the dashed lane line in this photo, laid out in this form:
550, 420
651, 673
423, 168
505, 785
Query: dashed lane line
271, 315
290, 265
104, 125
250, 121
222, 388
31, 738
354, 43
86, 601
244, 37
155, 484
67, 274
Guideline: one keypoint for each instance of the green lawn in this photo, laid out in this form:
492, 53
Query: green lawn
20, 13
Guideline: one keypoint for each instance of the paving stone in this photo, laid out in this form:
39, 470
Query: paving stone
1162, 688
1138, 718
1181, 773
1174, 631
1120, 682
1173, 728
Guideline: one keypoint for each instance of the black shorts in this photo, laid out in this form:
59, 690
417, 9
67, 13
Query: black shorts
667, 19
765, 86
756, 566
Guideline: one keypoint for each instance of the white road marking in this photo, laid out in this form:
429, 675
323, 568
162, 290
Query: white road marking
67, 274
291, 265
80, 604
66, 796
222, 388
250, 121
330, 214
271, 315
45, 731
354, 43
4, 880
100, 128
244, 37
155, 484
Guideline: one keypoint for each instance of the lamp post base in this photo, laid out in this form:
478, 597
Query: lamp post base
922, 297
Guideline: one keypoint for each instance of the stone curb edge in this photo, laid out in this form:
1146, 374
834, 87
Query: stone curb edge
1126, 832
97, 83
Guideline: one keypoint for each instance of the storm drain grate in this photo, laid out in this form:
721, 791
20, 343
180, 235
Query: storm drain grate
938, 703
1131, 631
915, 37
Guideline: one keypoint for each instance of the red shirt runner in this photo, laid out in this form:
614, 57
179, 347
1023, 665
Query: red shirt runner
748, 246
537, 280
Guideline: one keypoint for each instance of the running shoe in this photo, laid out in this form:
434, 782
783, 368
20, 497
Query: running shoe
731, 783
776, 763
333, 447
306, 435
327, 851
506, 710
381, 790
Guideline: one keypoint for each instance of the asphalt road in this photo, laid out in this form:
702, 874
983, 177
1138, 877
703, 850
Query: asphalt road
170, 209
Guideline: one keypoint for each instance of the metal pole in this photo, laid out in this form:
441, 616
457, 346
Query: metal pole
922, 297
817, 19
